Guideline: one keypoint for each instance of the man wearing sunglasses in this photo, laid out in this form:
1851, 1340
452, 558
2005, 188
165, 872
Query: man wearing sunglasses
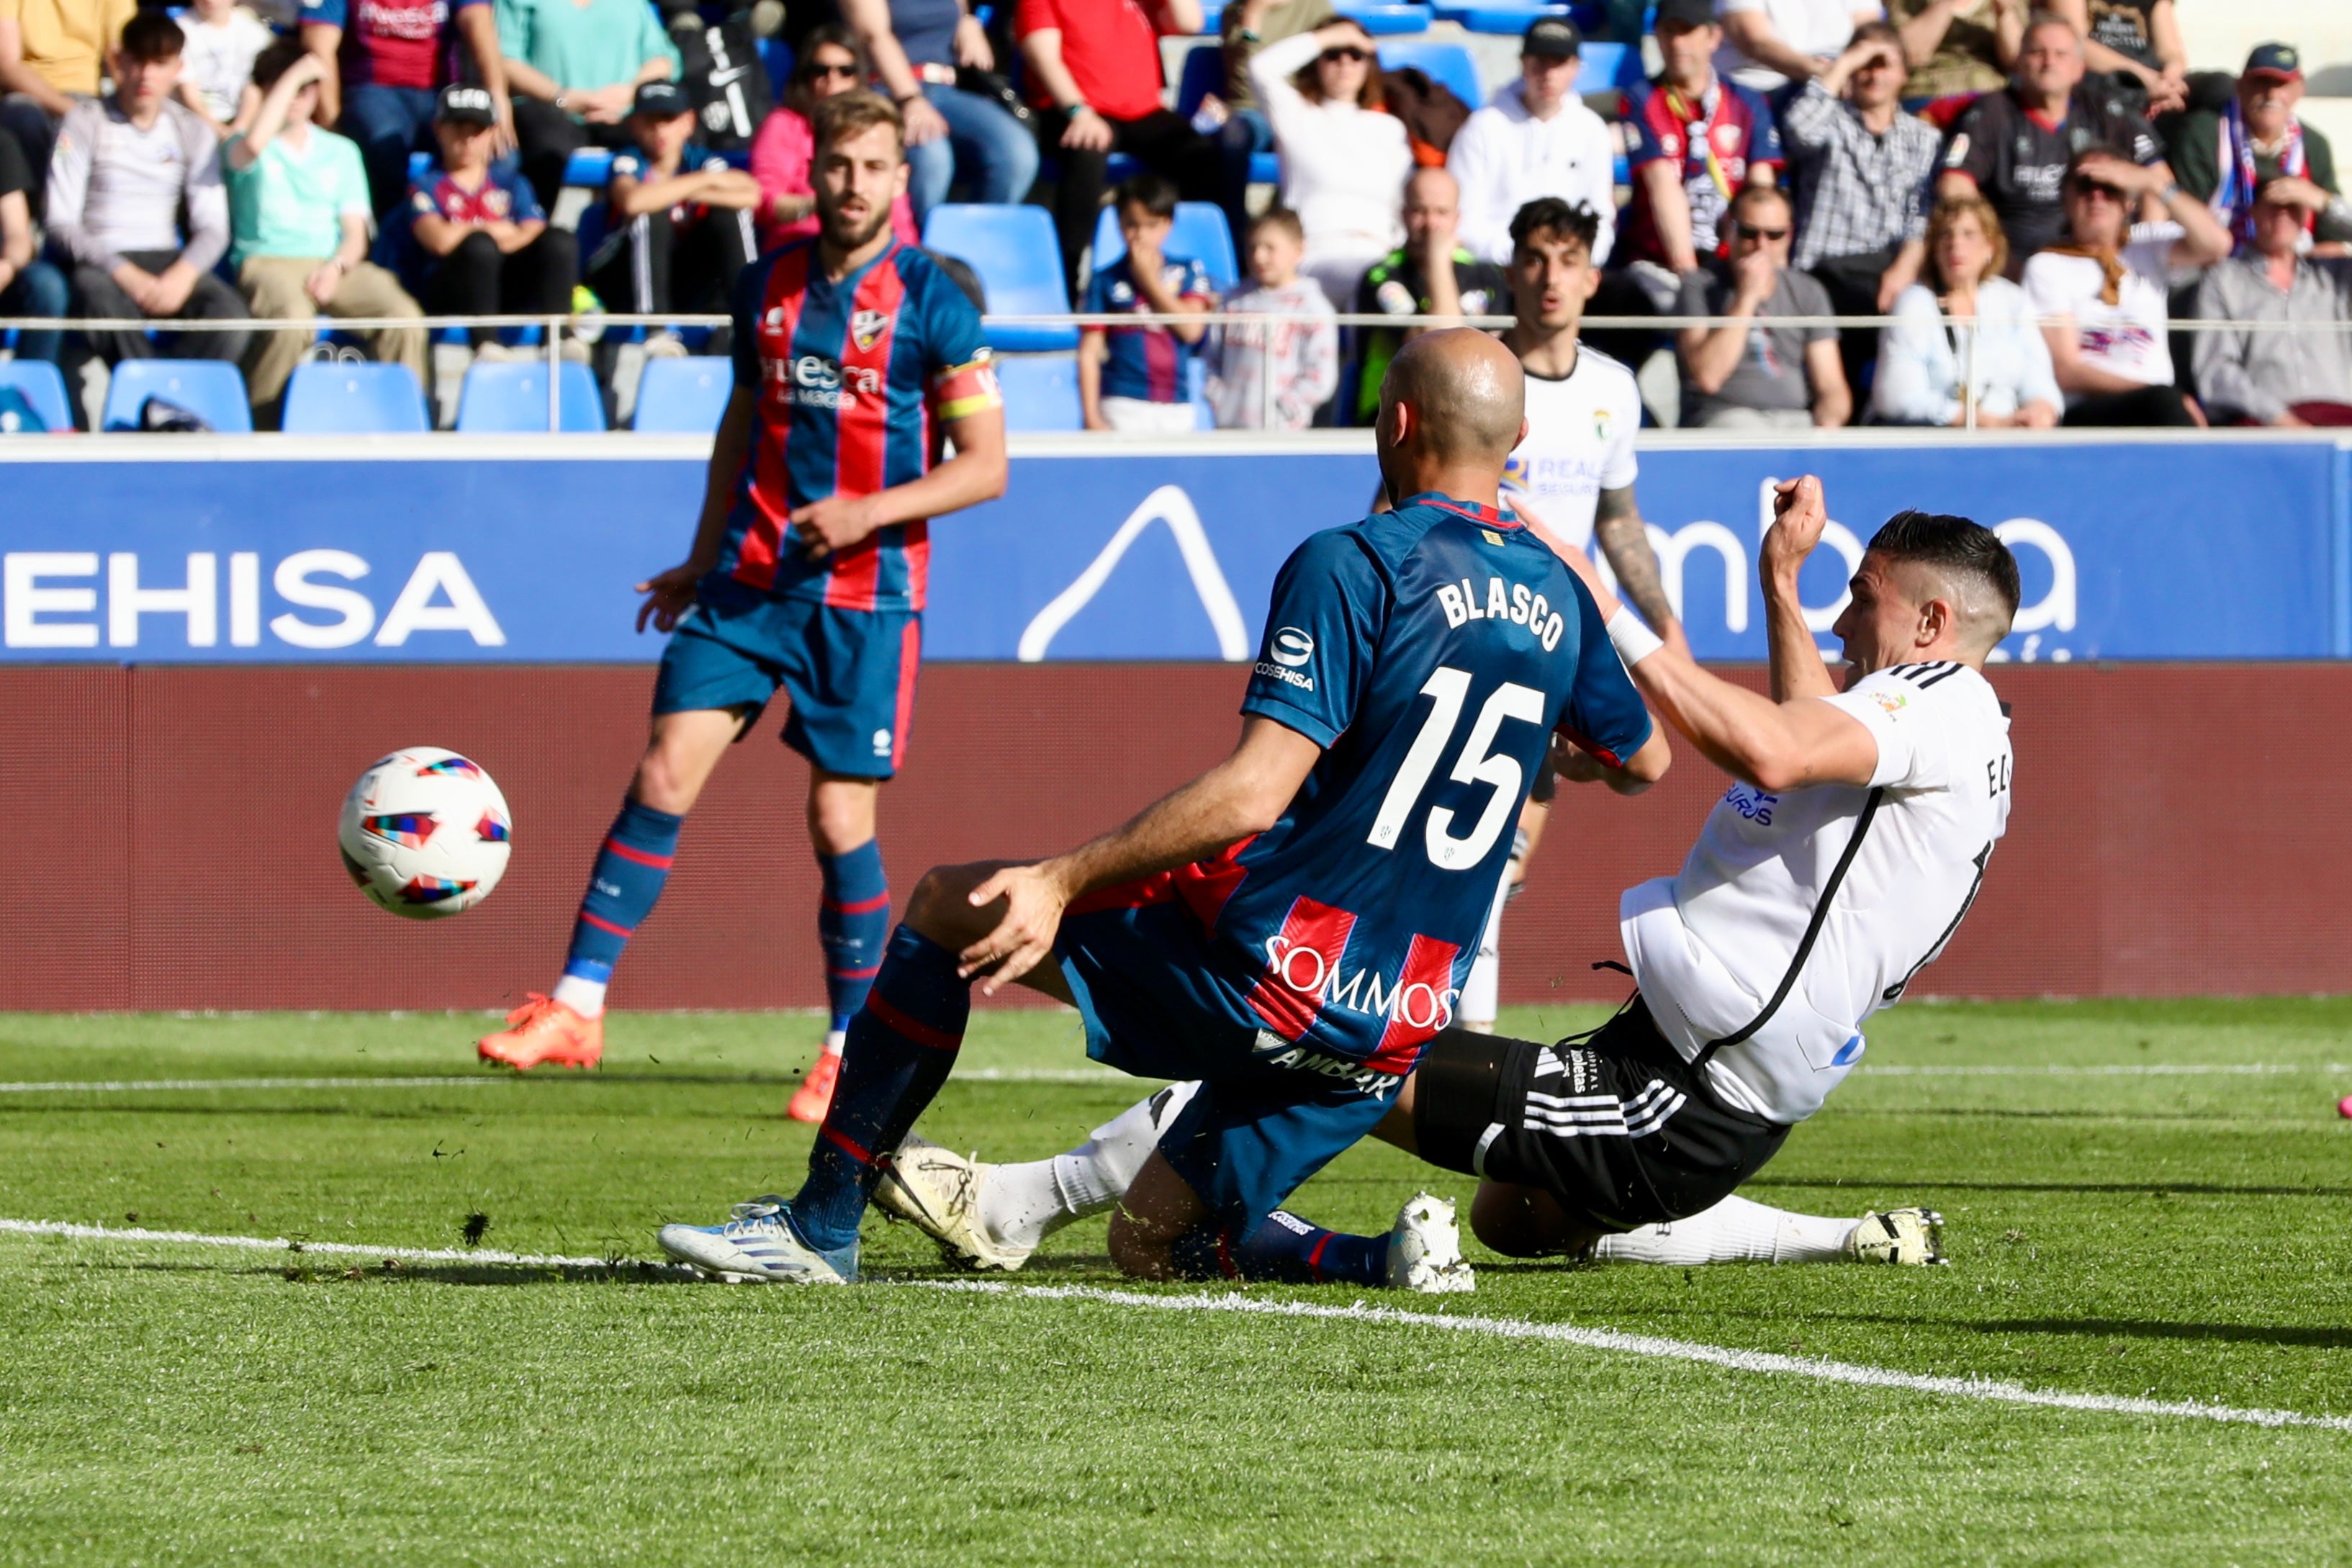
1738, 374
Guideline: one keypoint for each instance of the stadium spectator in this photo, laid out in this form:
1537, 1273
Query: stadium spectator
1431, 274
1694, 139
1741, 374
829, 65
391, 58
52, 53
478, 243
28, 285
299, 208
1344, 160
1095, 76
1861, 168
2290, 378
2107, 291
2225, 155
1536, 139
1133, 379
681, 219
1966, 337
1958, 47
575, 67
216, 78
1274, 375
1771, 45
915, 46
1243, 30
2012, 146
126, 166
2137, 45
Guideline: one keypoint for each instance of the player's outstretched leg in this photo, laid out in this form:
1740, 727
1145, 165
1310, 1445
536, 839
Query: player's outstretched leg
1739, 1231
853, 921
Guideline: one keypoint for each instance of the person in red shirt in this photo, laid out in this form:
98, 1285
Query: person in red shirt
1094, 73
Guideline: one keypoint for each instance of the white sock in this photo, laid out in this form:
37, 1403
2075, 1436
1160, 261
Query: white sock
1482, 991
1733, 1231
1023, 1205
833, 1040
585, 997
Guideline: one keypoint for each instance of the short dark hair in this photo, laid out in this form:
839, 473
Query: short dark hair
276, 61
1155, 193
855, 114
152, 36
1749, 195
1280, 217
1549, 215
1951, 543
1878, 33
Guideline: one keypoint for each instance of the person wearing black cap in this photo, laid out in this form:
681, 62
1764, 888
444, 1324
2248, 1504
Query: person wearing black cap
680, 217
1536, 139
478, 243
2226, 156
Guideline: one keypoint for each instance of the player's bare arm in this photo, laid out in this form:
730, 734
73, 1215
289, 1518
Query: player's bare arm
669, 595
1800, 514
1244, 794
1625, 539
975, 474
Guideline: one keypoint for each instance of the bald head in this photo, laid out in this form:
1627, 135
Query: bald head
1465, 393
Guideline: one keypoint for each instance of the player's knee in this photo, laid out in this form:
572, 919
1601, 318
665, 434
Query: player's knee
1138, 1253
1519, 1222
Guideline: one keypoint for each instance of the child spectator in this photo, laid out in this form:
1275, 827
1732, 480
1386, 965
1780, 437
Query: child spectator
1132, 379
830, 64
217, 80
478, 243
389, 57
1274, 375
125, 168
681, 219
576, 66
298, 206
28, 285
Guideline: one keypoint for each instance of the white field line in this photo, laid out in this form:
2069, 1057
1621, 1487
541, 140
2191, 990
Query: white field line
1815, 1368
158, 1085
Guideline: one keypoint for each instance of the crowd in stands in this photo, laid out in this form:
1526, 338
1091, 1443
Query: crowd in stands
2036, 192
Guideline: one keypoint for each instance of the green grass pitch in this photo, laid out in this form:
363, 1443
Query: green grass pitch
2178, 1236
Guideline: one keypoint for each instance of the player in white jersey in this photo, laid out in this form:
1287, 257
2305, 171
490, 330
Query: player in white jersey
1838, 865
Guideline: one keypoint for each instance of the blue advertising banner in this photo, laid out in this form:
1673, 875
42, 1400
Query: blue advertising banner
439, 549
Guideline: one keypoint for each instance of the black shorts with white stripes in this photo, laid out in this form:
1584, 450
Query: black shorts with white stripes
1613, 1124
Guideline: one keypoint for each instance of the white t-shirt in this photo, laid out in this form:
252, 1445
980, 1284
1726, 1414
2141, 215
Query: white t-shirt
2127, 338
219, 58
1819, 27
1714, 946
1580, 442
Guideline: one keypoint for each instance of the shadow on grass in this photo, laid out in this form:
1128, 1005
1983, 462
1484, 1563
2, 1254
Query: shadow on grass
2125, 1328
1926, 1184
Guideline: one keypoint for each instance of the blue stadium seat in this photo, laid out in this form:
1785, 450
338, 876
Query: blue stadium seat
1503, 18
1019, 262
1381, 19
419, 163
510, 399
777, 55
1199, 233
1601, 67
210, 388
683, 396
1212, 17
39, 384
1041, 392
1203, 73
1447, 63
590, 166
342, 399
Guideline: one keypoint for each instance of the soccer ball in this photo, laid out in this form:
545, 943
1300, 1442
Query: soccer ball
426, 833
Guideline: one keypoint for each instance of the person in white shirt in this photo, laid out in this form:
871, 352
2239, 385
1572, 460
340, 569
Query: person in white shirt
1344, 159
1974, 343
1536, 139
1274, 376
1840, 863
2107, 288
217, 72
1771, 43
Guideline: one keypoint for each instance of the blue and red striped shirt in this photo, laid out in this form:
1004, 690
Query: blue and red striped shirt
855, 380
1145, 363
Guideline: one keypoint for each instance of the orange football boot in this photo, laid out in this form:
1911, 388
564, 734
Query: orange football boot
814, 1096
545, 1030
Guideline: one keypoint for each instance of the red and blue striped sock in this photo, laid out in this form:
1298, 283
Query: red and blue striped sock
1283, 1248
630, 870
853, 922
901, 1046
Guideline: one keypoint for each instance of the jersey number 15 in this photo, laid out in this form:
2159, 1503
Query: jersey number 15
1448, 689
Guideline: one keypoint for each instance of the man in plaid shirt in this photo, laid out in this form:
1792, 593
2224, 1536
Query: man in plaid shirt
1861, 167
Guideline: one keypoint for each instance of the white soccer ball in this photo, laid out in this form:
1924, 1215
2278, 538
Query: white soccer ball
426, 833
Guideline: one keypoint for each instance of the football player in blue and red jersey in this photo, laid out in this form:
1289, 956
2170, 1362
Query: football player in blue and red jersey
854, 357
1293, 926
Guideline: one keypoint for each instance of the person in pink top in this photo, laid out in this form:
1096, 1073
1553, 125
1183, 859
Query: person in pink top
830, 64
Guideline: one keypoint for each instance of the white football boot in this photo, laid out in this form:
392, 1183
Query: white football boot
936, 1190
1907, 1236
758, 1247
1425, 1249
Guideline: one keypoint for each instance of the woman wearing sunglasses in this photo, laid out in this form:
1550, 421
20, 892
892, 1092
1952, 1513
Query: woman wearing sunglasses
1344, 158
830, 64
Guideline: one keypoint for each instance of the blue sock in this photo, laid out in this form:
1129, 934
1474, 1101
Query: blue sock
853, 922
630, 870
902, 1045
1283, 1248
